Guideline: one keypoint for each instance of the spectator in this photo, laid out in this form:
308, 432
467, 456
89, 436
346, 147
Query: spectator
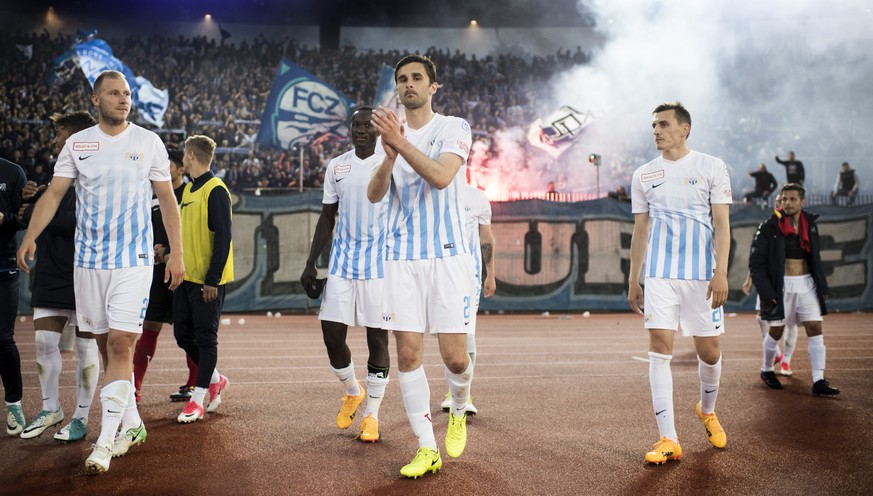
847, 185
765, 183
794, 171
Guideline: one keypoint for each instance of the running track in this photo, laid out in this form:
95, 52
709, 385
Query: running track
564, 409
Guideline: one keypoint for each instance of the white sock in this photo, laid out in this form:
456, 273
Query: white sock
216, 377
113, 397
347, 377
790, 342
710, 376
770, 347
198, 395
416, 401
131, 418
763, 324
472, 369
661, 382
375, 392
817, 354
459, 386
49, 364
87, 373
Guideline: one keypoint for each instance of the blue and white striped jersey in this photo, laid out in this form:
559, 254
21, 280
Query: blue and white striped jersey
358, 248
113, 177
678, 197
425, 222
478, 210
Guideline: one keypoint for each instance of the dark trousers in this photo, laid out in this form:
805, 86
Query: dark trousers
10, 362
195, 325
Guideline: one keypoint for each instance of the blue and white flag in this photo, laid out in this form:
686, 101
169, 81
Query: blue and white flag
95, 56
302, 108
386, 93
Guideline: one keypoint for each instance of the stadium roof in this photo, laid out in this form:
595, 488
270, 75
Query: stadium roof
391, 13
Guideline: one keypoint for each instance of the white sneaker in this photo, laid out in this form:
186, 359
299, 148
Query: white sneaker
471, 410
98, 460
129, 437
44, 419
14, 419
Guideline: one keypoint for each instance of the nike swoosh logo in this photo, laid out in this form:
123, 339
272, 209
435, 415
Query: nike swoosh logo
184, 205
718, 326
708, 391
85, 157
662, 411
83, 406
110, 411
467, 323
339, 179
656, 185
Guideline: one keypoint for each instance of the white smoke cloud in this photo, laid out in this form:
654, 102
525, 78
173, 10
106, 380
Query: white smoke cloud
759, 78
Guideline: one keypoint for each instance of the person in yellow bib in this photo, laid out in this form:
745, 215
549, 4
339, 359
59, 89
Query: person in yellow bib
206, 240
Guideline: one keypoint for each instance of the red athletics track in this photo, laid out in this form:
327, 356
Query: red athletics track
564, 409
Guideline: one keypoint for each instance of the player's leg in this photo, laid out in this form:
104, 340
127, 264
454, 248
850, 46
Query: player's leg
48, 325
368, 313
336, 314
87, 374
809, 313
158, 312
790, 336
10, 360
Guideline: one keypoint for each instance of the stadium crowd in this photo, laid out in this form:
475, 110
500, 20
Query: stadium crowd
220, 90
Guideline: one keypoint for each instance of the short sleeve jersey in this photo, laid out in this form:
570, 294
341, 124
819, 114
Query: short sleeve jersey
113, 177
425, 222
358, 248
478, 210
678, 196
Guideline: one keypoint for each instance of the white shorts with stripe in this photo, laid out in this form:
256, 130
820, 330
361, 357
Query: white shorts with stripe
42, 313
434, 295
353, 302
681, 303
800, 301
112, 298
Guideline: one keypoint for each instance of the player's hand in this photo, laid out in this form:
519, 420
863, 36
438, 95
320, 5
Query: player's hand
747, 286
159, 254
209, 293
717, 290
390, 152
307, 278
22, 210
30, 190
25, 254
635, 297
175, 272
389, 127
490, 286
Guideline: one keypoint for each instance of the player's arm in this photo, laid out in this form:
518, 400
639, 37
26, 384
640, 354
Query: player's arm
175, 272
758, 262
486, 244
323, 232
381, 178
638, 253
220, 222
43, 213
747, 284
718, 285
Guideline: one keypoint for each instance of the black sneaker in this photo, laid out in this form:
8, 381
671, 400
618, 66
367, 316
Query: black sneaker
823, 388
770, 379
183, 394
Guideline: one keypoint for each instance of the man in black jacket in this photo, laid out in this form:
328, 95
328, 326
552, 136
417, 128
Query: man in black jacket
794, 171
12, 180
785, 263
765, 183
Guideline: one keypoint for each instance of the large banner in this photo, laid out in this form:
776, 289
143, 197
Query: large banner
550, 256
94, 56
302, 108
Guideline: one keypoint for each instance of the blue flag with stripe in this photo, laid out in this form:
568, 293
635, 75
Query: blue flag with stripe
302, 108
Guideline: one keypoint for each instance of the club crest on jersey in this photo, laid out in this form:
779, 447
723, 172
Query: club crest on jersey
388, 317
133, 156
691, 181
86, 146
651, 176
